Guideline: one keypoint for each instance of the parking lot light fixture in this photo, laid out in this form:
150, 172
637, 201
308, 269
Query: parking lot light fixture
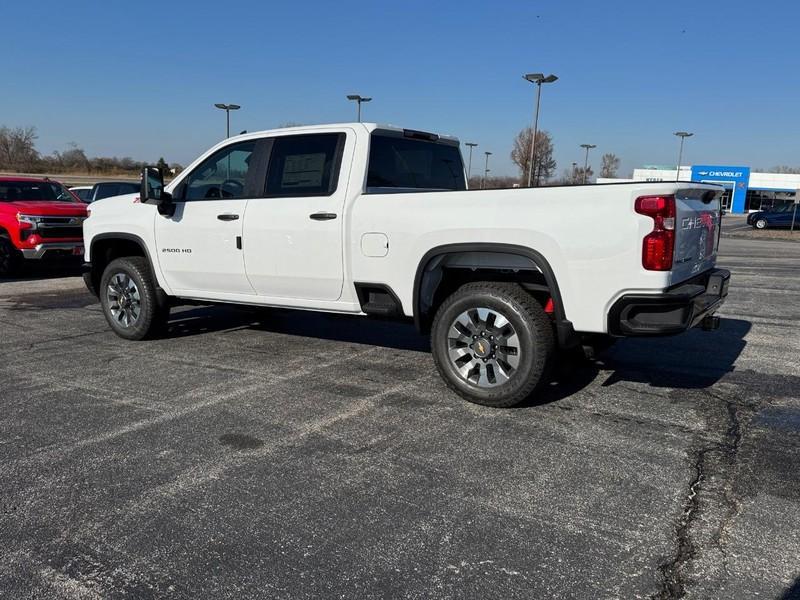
485, 169
683, 135
471, 145
538, 79
227, 108
586, 161
358, 100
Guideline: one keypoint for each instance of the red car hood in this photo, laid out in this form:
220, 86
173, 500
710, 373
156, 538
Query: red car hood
45, 209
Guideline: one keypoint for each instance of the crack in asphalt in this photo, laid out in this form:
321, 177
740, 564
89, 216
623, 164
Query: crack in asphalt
674, 584
734, 435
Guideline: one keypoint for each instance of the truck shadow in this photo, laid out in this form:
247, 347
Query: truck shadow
792, 592
693, 360
343, 328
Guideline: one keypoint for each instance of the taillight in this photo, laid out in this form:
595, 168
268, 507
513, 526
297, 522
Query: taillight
658, 245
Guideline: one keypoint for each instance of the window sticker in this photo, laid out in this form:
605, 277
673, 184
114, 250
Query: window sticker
303, 170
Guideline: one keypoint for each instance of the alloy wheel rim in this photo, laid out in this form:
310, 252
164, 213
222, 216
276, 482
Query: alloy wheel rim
124, 300
483, 347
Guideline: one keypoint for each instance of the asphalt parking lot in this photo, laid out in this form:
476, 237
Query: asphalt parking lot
274, 454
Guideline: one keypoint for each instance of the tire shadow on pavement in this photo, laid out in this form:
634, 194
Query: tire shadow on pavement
693, 360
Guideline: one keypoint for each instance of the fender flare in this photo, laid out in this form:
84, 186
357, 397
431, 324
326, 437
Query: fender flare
129, 237
564, 329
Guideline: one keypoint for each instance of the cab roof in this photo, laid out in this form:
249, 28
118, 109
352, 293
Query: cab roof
370, 127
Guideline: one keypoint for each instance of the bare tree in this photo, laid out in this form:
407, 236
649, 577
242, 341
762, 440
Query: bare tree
543, 163
574, 175
609, 166
17, 149
72, 159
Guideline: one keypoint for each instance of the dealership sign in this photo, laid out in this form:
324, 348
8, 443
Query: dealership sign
715, 173
712, 173
736, 178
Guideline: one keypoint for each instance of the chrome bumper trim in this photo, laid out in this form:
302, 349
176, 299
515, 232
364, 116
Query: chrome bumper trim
41, 249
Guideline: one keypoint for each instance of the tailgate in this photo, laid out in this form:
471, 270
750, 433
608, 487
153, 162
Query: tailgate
697, 223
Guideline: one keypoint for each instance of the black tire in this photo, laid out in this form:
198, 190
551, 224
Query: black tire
760, 224
533, 328
10, 258
152, 312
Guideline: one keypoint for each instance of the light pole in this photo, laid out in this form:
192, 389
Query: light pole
227, 108
485, 169
359, 100
538, 79
469, 168
586, 162
683, 135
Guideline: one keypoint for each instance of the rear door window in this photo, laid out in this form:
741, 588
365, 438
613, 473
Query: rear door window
397, 163
129, 188
106, 190
304, 165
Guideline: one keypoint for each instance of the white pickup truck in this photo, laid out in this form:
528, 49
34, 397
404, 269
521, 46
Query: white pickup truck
376, 220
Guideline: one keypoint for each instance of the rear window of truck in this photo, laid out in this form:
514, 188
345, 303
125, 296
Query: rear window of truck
398, 163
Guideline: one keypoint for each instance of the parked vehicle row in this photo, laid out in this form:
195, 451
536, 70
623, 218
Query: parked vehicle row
780, 216
377, 221
105, 189
40, 219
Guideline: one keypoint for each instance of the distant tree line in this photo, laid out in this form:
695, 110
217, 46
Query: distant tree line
783, 169
18, 153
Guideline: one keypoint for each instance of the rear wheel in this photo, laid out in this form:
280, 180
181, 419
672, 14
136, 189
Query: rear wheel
129, 299
761, 224
491, 343
10, 258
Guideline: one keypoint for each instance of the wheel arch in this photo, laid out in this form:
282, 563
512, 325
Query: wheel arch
496, 257
105, 247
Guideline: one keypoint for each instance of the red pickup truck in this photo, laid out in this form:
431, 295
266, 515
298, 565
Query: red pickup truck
39, 218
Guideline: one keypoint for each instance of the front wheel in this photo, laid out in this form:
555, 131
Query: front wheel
761, 224
9, 257
491, 343
129, 298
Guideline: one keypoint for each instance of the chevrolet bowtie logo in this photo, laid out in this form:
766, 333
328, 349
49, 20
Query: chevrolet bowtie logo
480, 348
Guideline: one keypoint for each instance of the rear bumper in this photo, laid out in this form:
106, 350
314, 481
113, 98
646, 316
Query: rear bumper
65, 248
675, 310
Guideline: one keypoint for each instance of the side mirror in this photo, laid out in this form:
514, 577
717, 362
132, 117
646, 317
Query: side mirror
152, 191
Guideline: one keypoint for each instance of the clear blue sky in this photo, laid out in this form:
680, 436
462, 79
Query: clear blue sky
140, 78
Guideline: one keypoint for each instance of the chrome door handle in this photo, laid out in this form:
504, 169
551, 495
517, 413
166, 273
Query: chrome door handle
227, 217
322, 216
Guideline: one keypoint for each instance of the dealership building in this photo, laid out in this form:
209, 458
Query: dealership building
745, 190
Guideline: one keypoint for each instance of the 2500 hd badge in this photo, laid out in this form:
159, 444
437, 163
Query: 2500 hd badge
177, 250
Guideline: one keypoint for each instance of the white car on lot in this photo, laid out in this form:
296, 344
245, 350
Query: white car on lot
375, 220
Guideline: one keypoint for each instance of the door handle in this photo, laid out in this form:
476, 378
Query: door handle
322, 216
227, 217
